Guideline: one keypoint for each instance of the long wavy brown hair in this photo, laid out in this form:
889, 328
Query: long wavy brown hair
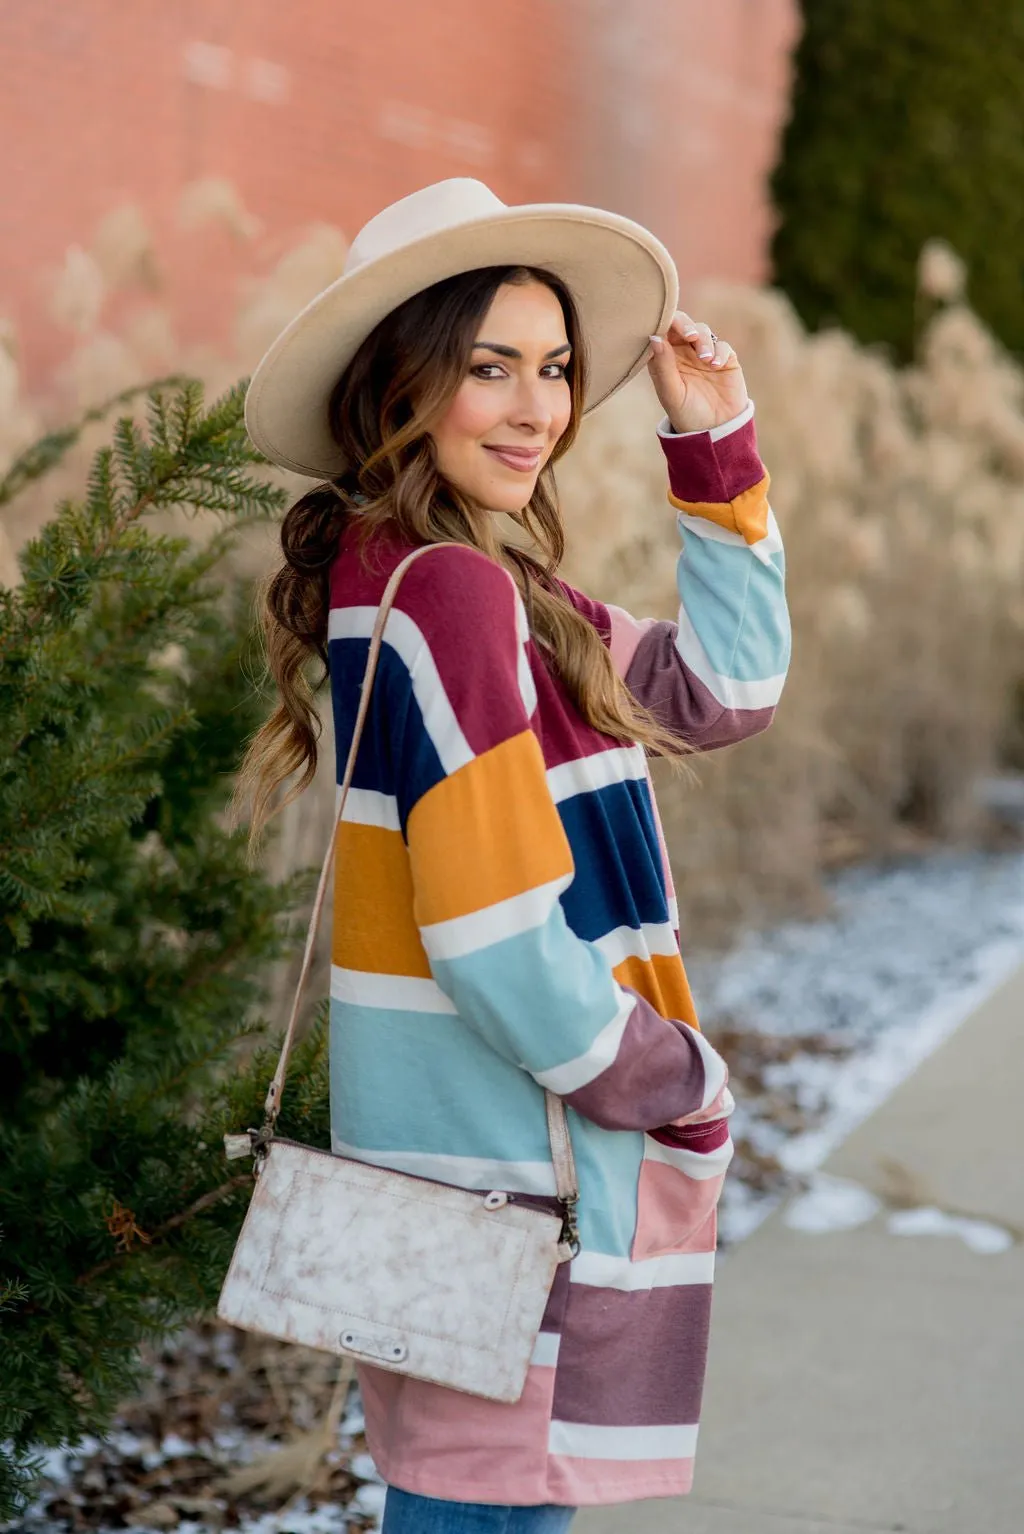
399, 384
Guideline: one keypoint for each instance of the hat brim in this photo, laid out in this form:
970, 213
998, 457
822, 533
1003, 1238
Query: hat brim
621, 277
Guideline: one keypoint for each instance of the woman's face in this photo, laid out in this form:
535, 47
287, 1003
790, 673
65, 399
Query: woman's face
514, 402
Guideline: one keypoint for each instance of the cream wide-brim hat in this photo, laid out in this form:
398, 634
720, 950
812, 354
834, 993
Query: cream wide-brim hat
621, 277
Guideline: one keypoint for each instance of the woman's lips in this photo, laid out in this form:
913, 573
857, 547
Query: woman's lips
523, 459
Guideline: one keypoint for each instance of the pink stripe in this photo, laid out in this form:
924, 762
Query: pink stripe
593, 1482
721, 1106
440, 1443
627, 633
675, 1213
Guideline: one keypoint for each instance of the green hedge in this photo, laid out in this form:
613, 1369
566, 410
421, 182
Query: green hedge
907, 122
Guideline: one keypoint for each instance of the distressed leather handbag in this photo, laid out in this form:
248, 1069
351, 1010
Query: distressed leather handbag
414, 1276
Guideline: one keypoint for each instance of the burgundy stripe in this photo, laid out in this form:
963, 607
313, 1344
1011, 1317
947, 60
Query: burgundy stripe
660, 679
454, 597
564, 736
656, 1076
702, 470
694, 1137
594, 612
606, 1332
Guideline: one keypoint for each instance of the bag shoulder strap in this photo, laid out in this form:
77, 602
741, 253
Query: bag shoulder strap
558, 1124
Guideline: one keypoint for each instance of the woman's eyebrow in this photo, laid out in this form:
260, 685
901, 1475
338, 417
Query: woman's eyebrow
510, 351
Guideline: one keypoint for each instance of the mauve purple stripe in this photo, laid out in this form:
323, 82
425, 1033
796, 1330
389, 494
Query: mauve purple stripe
607, 1331
558, 1296
657, 1075
715, 472
660, 679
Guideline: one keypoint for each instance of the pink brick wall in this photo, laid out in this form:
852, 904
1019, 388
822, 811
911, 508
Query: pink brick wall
667, 110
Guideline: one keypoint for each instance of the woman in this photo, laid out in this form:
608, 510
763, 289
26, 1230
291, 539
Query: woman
503, 911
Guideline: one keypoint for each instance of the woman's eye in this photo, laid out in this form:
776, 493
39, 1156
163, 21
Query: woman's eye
488, 370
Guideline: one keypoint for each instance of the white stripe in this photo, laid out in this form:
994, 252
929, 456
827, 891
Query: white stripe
714, 1067
620, 765
395, 993
527, 686
574, 1074
587, 1440
673, 913
406, 639
638, 942
601, 1271
731, 693
701, 527
545, 1350
700, 1165
459, 1171
716, 433
367, 807
506, 918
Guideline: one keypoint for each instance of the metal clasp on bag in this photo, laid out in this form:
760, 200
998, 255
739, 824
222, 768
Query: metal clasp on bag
254, 1143
569, 1239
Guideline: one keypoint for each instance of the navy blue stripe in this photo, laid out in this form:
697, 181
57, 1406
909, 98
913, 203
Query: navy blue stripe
618, 880
396, 754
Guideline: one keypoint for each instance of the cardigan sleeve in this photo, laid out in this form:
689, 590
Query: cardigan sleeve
715, 674
489, 860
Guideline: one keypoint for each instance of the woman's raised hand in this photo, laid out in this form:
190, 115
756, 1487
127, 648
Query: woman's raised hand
697, 377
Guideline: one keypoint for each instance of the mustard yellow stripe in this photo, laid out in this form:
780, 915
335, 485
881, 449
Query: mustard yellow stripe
746, 515
662, 981
486, 833
374, 928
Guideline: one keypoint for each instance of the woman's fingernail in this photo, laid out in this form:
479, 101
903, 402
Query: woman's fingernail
706, 353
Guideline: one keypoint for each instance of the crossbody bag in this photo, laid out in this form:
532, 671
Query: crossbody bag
418, 1277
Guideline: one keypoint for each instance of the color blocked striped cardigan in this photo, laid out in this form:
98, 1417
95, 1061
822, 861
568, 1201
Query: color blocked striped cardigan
504, 921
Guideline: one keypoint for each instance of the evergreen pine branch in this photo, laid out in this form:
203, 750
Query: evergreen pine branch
135, 941
46, 453
199, 459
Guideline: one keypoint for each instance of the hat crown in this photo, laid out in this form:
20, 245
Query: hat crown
444, 205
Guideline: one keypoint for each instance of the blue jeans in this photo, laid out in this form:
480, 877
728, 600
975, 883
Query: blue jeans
405, 1513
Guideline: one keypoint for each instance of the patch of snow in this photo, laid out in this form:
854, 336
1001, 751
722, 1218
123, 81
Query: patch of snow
907, 953
861, 1083
354, 1421
363, 1467
299, 1519
369, 1501
173, 1446
831, 1203
56, 1464
980, 1235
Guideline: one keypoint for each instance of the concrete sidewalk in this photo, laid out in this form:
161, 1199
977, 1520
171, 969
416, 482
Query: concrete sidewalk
865, 1381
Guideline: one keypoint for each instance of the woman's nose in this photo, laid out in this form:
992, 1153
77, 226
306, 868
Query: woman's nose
532, 406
